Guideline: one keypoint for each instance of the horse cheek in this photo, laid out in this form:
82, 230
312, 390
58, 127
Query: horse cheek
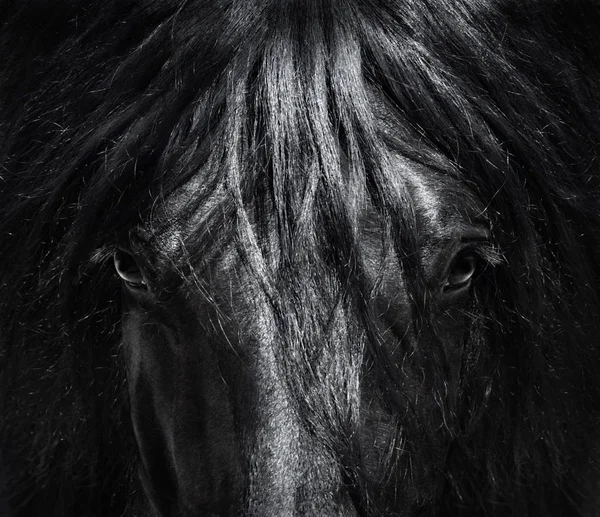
182, 416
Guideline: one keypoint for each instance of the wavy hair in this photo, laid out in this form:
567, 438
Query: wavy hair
282, 115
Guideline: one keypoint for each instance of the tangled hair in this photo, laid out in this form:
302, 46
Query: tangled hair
284, 116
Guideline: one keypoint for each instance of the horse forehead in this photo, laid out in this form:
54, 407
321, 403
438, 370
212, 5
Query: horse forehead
442, 205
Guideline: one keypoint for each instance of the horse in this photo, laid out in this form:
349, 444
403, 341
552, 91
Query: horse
301, 257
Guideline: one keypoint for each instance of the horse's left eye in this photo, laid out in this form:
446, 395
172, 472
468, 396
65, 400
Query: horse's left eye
462, 272
128, 269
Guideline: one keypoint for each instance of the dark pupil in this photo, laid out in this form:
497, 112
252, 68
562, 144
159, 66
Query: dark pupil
125, 263
127, 268
463, 270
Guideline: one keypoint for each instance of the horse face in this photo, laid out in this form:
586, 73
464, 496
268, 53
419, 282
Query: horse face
220, 424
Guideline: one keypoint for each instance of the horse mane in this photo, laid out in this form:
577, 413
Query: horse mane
108, 109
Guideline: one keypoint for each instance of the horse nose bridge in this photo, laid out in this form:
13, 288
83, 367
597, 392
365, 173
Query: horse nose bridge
290, 472
273, 455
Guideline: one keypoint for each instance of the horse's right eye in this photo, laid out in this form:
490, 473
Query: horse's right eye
129, 271
463, 271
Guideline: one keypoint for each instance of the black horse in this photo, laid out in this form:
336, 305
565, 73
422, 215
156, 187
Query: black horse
299, 258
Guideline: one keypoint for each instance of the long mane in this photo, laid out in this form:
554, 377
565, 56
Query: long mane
107, 109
